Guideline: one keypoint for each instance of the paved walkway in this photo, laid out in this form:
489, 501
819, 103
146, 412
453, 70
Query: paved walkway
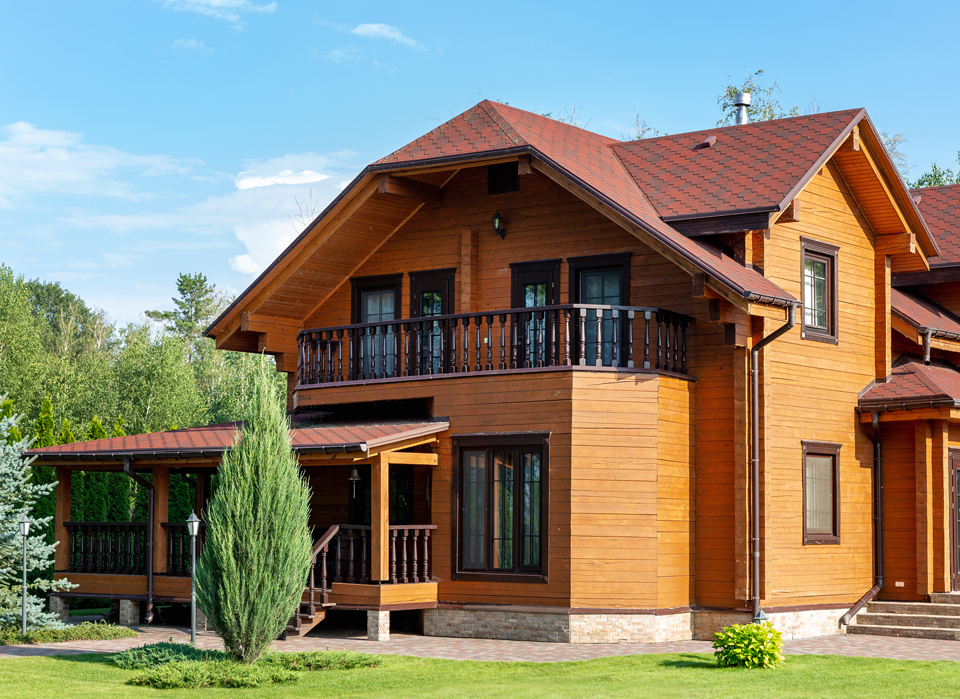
491, 650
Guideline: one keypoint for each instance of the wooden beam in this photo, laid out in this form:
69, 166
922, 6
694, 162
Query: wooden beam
380, 519
405, 187
61, 557
853, 142
257, 323
411, 458
397, 446
792, 213
882, 318
699, 285
468, 278
923, 441
899, 243
161, 504
941, 506
524, 165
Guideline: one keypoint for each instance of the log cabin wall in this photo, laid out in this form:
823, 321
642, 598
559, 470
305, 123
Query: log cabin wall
899, 512
810, 392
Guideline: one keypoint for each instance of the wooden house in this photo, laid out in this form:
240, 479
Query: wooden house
547, 385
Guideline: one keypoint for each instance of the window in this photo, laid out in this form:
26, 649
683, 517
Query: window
431, 294
375, 300
501, 488
821, 498
602, 280
535, 284
819, 279
503, 178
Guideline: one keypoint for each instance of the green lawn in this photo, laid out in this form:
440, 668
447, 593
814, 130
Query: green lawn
685, 675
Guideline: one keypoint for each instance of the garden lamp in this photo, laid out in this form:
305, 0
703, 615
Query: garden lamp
193, 528
24, 531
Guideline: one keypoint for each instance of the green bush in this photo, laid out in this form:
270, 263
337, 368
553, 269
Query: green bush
749, 645
226, 673
318, 660
87, 631
156, 654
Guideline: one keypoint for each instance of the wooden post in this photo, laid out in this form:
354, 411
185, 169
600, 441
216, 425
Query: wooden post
882, 317
469, 249
380, 518
161, 501
61, 558
741, 471
202, 493
924, 484
941, 506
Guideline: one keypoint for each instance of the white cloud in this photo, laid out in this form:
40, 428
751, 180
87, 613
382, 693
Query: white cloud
246, 180
227, 10
385, 31
190, 45
38, 161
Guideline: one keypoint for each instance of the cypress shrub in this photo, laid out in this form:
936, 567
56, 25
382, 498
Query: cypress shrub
254, 566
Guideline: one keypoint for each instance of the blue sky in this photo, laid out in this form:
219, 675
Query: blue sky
144, 138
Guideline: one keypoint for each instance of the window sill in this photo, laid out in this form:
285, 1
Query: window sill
500, 577
819, 337
820, 540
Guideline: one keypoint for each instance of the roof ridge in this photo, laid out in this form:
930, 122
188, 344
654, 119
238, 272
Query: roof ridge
489, 107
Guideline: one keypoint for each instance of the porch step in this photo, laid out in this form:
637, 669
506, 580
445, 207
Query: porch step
303, 623
928, 621
951, 598
922, 608
905, 632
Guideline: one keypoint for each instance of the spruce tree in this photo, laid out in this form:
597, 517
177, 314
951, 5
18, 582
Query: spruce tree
254, 566
95, 430
18, 496
6, 410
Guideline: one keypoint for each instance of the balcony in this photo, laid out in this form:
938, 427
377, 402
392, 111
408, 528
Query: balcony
574, 336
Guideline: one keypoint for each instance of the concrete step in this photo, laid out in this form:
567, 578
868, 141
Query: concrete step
929, 621
923, 608
945, 597
906, 632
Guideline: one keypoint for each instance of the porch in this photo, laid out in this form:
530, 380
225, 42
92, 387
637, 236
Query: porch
377, 560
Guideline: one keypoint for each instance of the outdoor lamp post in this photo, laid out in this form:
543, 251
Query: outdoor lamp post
24, 531
193, 528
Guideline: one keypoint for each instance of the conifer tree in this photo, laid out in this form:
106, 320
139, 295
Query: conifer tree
45, 436
254, 565
118, 430
95, 430
94, 496
66, 434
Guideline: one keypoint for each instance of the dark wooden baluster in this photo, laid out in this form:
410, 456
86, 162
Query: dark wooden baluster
363, 556
426, 555
671, 363
382, 344
323, 572
598, 318
351, 354
403, 557
418, 352
659, 341
646, 339
350, 566
615, 317
393, 556
513, 337
452, 334
397, 367
171, 533
415, 577
489, 344
338, 373
361, 354
405, 327
98, 544
503, 346
566, 337
528, 323
630, 317
466, 343
583, 337
676, 343
554, 347
337, 577
72, 565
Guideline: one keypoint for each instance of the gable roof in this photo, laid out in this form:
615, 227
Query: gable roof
213, 440
915, 384
749, 168
923, 314
940, 208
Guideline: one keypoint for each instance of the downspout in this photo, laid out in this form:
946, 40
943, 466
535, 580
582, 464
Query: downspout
927, 334
874, 435
150, 526
758, 615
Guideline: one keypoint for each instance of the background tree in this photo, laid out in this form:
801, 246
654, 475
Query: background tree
18, 496
6, 410
195, 308
255, 561
764, 103
937, 176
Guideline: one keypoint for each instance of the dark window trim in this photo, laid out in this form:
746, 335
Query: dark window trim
517, 269
509, 183
822, 449
509, 439
380, 281
831, 252
589, 263
446, 276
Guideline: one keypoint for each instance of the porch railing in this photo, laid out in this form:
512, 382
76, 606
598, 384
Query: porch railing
178, 547
108, 547
573, 335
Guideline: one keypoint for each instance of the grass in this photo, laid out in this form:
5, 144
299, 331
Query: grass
684, 675
90, 612
87, 631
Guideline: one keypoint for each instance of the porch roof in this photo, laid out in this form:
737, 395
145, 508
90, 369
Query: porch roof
214, 440
913, 384
923, 315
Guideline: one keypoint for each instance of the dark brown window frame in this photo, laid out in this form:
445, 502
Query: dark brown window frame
373, 283
829, 253
517, 269
446, 276
486, 441
512, 181
589, 263
821, 449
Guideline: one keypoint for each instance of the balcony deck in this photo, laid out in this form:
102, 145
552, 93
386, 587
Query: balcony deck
569, 336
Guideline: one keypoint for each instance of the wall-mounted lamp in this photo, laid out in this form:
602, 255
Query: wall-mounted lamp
498, 225
354, 477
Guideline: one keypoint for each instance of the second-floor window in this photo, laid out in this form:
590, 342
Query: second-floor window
375, 300
819, 280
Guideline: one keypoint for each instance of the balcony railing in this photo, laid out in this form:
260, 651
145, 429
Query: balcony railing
573, 335
108, 547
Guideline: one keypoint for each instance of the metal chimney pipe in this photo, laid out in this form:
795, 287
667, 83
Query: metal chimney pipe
741, 101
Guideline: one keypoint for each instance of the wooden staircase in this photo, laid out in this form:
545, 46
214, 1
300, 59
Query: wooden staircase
313, 611
937, 619
305, 620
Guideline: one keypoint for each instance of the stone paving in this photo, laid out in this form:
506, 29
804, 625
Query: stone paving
492, 650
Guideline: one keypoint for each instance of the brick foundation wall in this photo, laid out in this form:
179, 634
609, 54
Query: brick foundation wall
129, 612
800, 624
61, 607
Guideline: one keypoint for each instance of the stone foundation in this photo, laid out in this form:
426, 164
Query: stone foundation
129, 612
203, 624
610, 627
61, 607
378, 626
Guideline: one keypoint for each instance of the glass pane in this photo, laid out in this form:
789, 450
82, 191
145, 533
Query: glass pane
530, 510
819, 495
534, 295
474, 509
815, 293
602, 288
378, 343
431, 304
502, 520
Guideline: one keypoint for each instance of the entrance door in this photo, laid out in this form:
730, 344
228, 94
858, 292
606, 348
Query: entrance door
431, 295
954, 521
375, 300
535, 285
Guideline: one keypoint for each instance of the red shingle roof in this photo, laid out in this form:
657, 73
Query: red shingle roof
753, 167
912, 384
924, 314
214, 439
586, 157
940, 207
